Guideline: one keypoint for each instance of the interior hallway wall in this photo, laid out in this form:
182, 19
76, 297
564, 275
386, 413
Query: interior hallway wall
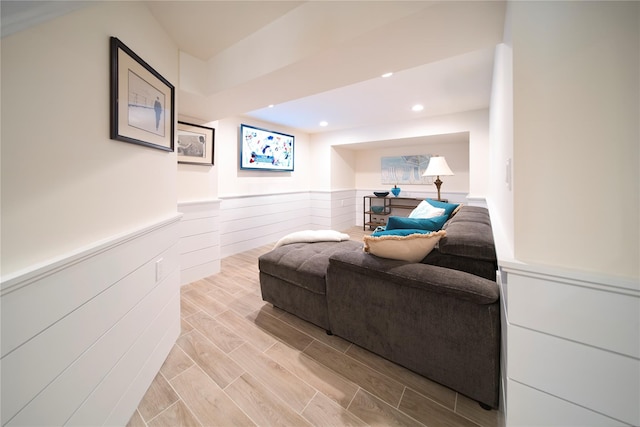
65, 183
576, 103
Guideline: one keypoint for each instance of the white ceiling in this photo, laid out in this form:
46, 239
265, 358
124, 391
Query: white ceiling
321, 60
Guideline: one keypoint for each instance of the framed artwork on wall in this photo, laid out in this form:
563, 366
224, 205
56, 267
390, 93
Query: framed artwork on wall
142, 101
195, 144
404, 169
266, 150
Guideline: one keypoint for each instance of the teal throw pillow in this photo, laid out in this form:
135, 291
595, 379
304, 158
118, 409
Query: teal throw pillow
448, 207
429, 224
399, 232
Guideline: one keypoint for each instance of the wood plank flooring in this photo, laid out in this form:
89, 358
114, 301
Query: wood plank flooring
240, 361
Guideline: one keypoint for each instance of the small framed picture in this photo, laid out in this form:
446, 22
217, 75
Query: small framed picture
142, 101
195, 144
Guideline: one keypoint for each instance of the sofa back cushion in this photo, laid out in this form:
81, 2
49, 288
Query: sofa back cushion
469, 235
468, 245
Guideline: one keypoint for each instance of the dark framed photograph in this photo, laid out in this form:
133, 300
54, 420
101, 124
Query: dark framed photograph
142, 101
195, 144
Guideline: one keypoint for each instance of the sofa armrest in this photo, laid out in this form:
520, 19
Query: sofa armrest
429, 278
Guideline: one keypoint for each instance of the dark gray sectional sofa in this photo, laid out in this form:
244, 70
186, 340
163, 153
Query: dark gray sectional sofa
439, 318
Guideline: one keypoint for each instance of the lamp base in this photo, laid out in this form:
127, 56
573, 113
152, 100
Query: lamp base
438, 183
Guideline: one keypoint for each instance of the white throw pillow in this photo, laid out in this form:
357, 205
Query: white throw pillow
426, 210
310, 236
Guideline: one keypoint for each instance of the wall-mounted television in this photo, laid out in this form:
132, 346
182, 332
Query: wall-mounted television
262, 149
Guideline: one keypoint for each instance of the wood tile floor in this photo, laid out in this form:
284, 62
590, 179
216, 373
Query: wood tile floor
240, 361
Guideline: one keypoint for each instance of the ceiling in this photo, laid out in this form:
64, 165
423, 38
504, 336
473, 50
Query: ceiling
321, 60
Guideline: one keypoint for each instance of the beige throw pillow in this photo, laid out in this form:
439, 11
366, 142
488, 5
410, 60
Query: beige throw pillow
411, 248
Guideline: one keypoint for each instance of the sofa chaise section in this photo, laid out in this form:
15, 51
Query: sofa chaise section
293, 278
440, 323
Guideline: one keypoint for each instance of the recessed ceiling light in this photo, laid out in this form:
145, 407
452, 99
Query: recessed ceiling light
270, 105
417, 107
385, 75
324, 123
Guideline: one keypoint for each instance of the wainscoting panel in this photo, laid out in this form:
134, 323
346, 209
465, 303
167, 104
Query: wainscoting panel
248, 222
130, 399
572, 338
37, 299
590, 318
531, 404
199, 240
333, 210
97, 330
107, 395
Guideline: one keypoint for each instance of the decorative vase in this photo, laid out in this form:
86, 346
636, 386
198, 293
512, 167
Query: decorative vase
395, 190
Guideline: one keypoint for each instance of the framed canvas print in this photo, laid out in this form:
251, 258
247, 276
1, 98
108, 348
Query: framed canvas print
404, 169
262, 149
195, 144
142, 101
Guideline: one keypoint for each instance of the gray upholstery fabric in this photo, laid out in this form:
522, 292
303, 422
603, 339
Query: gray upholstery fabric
295, 300
469, 235
439, 318
456, 284
469, 244
436, 333
292, 277
304, 264
484, 269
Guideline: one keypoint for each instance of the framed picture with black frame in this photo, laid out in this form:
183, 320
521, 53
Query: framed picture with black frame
142, 101
195, 144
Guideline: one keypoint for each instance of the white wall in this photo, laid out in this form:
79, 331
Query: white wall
65, 184
343, 168
196, 183
90, 263
565, 110
368, 163
476, 123
576, 78
501, 185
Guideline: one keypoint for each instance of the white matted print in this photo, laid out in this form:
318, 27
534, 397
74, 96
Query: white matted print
142, 101
195, 144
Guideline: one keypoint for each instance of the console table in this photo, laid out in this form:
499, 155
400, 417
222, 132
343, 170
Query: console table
389, 205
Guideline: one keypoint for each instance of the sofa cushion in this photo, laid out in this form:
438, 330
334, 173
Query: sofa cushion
304, 264
411, 248
472, 214
468, 239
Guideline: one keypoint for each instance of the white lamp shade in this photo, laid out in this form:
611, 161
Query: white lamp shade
437, 167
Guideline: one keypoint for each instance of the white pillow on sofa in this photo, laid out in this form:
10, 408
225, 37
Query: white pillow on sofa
426, 210
311, 236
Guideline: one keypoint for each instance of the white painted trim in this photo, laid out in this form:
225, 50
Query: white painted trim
199, 203
24, 277
575, 277
249, 196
